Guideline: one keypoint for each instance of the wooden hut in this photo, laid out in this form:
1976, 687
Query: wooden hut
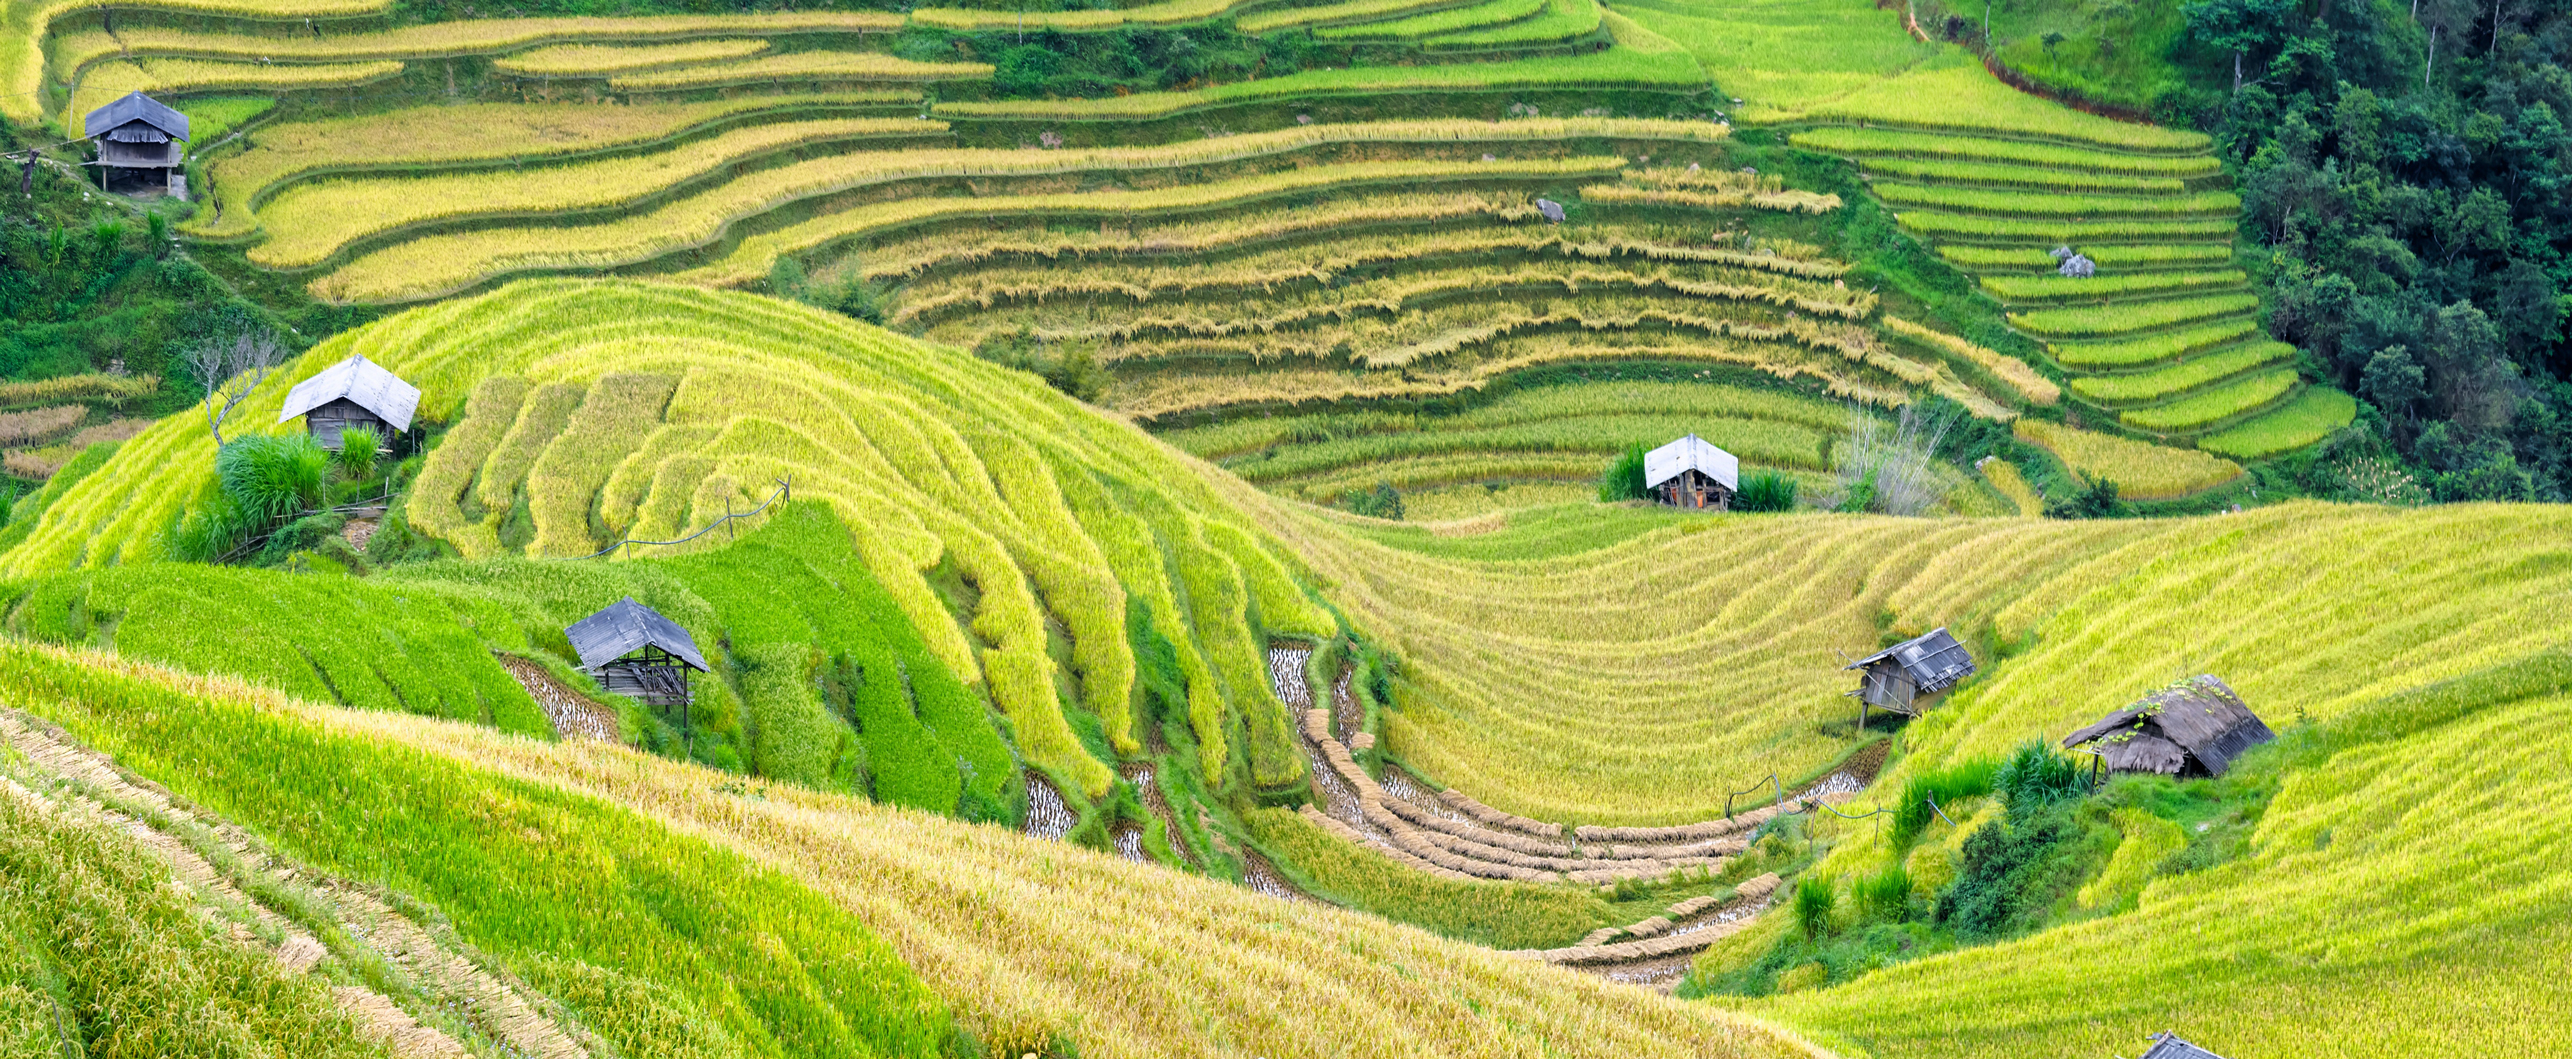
138, 143
1692, 473
2166, 1045
2195, 727
356, 392
1898, 677
633, 651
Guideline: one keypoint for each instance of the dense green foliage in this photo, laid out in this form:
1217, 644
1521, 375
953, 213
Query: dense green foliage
2408, 168
1049, 63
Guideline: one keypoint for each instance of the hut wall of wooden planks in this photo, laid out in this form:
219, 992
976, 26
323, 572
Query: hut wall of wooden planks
1692, 473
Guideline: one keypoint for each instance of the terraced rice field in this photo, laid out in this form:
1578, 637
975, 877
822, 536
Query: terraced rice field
1995, 180
584, 410
1559, 434
1975, 199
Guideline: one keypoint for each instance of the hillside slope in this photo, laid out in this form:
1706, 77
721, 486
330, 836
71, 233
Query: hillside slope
1035, 946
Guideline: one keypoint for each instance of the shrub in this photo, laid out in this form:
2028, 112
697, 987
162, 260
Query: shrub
269, 477
1766, 491
1380, 502
1814, 901
2001, 882
1624, 477
1884, 896
2096, 500
1966, 779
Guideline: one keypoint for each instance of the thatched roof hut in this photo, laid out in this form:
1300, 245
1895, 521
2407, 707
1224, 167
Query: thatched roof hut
2195, 727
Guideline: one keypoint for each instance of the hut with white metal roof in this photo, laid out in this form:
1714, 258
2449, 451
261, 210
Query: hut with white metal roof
1692, 473
2192, 728
138, 142
356, 392
1899, 677
633, 651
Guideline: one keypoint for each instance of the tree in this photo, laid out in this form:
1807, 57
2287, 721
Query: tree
2442, 18
2394, 381
2240, 27
228, 369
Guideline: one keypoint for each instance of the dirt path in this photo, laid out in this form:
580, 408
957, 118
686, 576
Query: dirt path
574, 715
444, 991
1656, 952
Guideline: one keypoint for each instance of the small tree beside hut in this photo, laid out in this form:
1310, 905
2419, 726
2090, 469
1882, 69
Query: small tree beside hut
228, 369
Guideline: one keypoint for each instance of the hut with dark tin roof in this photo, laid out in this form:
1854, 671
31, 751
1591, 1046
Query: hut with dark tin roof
633, 651
1692, 473
138, 142
356, 392
2166, 1045
1898, 677
2195, 727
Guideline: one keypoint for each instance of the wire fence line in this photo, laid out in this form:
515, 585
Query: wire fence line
785, 491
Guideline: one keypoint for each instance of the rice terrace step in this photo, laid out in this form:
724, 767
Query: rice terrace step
1281, 528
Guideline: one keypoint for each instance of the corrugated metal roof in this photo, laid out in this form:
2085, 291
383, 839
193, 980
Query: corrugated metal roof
360, 380
135, 106
2169, 1046
2200, 716
624, 627
1687, 454
1933, 659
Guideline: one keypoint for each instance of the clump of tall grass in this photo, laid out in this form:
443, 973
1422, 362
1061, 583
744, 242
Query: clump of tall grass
1965, 779
358, 447
2035, 777
1884, 896
1815, 900
270, 476
1765, 491
1624, 477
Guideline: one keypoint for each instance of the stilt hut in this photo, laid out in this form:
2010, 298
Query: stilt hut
1692, 473
356, 392
2193, 728
633, 651
1899, 677
138, 143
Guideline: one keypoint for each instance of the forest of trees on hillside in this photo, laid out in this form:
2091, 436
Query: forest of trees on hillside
2406, 168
